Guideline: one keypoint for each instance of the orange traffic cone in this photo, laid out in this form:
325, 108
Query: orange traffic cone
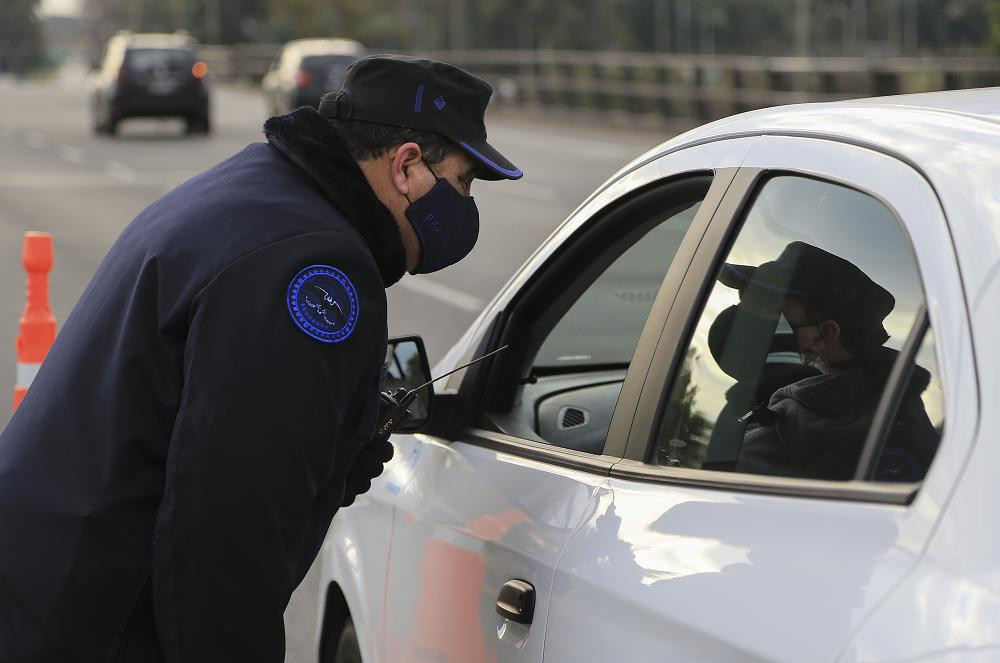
38, 325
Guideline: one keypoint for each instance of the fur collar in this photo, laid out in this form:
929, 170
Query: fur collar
311, 143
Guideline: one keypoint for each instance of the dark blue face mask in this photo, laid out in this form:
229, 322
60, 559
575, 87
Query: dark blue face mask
446, 223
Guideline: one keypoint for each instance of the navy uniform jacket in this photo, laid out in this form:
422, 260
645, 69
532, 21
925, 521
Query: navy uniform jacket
171, 474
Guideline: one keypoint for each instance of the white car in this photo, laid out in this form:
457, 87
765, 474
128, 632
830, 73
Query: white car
652, 472
305, 69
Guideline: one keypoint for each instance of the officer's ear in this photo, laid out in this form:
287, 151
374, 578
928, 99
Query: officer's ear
405, 159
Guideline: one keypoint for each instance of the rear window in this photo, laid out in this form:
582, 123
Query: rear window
323, 63
148, 59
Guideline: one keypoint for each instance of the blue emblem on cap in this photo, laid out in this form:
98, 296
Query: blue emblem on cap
323, 303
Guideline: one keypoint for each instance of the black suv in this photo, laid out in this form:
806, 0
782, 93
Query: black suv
150, 75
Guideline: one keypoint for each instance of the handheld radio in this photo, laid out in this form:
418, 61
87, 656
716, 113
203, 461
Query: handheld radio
393, 404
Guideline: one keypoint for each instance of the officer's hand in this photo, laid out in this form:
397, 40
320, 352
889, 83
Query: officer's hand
369, 464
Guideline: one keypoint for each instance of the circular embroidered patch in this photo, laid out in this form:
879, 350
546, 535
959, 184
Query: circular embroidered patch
323, 303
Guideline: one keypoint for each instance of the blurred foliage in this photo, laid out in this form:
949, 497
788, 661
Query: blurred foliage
994, 13
21, 47
681, 420
766, 27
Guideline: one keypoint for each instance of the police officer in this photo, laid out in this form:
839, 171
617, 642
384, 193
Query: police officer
170, 476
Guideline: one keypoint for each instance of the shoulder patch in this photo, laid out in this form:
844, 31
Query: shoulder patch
323, 303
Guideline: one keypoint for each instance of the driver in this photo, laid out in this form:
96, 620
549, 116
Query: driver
816, 427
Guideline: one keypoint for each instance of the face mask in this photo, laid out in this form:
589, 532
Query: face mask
446, 223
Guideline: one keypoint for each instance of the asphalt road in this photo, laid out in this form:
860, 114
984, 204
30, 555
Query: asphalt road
57, 176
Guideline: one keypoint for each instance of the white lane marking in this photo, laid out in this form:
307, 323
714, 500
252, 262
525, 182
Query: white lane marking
543, 194
71, 154
26, 374
443, 293
36, 139
120, 172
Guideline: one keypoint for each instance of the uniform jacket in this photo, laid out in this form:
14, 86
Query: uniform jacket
172, 472
817, 427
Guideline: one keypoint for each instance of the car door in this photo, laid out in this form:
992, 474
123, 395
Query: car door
697, 549
486, 509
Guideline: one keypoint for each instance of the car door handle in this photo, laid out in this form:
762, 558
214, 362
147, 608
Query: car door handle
516, 601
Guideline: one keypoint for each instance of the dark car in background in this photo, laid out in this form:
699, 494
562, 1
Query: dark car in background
150, 75
305, 69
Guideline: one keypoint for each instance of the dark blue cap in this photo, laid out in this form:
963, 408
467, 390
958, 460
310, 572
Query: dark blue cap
425, 95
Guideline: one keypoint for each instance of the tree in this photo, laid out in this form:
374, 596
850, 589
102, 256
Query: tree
681, 420
750, 27
21, 47
994, 13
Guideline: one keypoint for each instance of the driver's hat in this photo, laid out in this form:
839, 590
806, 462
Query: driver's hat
807, 272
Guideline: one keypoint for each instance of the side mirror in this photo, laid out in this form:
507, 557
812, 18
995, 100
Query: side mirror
407, 368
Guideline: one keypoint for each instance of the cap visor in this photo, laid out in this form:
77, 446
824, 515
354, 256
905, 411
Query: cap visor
741, 276
736, 276
497, 167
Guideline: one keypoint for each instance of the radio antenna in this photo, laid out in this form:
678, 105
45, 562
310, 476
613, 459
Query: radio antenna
406, 400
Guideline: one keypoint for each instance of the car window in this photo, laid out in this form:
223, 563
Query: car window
794, 346
328, 71
145, 60
588, 331
603, 325
323, 63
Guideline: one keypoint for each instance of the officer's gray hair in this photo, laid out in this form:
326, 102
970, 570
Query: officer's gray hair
370, 140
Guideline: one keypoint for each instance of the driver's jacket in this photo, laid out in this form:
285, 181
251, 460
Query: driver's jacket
817, 427
170, 476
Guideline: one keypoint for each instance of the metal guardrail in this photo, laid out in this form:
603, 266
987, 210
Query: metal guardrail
695, 87
239, 62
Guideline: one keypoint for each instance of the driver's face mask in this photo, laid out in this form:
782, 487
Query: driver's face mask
446, 223
810, 359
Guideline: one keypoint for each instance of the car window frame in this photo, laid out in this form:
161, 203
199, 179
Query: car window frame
113, 58
665, 367
471, 391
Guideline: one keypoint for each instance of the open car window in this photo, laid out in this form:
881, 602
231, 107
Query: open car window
583, 325
602, 326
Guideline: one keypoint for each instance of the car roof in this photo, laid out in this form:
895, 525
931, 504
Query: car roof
158, 40
929, 130
305, 47
951, 138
